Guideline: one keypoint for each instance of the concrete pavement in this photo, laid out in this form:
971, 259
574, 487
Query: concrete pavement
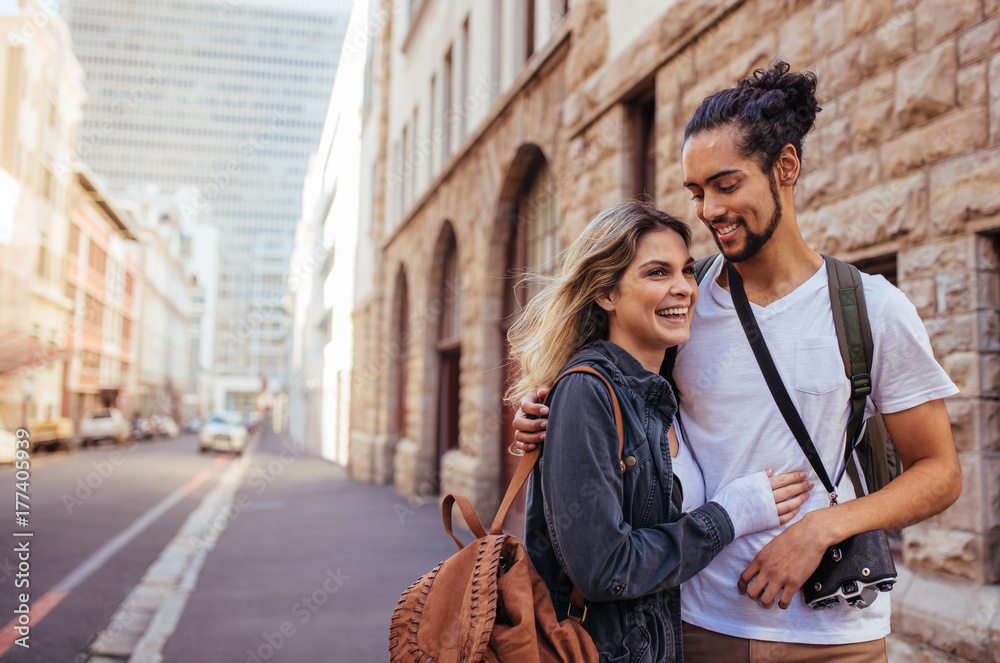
307, 567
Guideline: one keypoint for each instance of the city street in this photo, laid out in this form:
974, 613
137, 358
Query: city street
153, 547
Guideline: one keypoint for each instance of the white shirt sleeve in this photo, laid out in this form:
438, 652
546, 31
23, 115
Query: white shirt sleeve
905, 373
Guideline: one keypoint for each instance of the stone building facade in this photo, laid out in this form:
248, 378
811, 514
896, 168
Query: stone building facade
494, 131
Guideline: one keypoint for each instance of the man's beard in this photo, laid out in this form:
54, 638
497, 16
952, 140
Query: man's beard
754, 242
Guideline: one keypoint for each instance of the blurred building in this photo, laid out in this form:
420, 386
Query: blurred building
202, 264
493, 131
104, 280
227, 97
322, 268
164, 334
310, 318
40, 110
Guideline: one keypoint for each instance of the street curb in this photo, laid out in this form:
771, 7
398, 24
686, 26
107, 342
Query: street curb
138, 631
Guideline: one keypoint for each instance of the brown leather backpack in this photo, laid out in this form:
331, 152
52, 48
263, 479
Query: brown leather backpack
487, 602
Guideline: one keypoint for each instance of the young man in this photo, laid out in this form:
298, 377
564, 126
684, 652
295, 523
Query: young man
741, 159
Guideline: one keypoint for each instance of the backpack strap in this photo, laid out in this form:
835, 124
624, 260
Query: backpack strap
702, 266
524, 467
528, 460
854, 335
468, 512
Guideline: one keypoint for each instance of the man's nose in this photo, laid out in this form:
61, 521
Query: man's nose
712, 207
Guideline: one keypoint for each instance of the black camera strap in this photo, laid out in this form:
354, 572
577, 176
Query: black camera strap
774, 383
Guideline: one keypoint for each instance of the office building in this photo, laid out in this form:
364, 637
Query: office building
227, 96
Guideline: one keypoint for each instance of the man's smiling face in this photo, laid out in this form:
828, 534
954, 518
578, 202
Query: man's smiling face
733, 196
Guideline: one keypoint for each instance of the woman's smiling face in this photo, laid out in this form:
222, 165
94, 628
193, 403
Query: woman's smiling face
650, 308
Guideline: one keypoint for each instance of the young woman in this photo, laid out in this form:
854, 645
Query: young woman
616, 529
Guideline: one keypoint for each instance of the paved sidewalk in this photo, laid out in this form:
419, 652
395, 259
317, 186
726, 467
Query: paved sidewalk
309, 566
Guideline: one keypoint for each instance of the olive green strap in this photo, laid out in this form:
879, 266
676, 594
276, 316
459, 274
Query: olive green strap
854, 335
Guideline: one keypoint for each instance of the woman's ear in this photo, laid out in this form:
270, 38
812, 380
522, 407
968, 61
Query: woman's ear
607, 300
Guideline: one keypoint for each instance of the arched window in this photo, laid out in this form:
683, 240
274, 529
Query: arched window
532, 246
534, 239
539, 210
449, 348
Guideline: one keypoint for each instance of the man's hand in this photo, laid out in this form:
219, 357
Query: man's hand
786, 562
530, 422
930, 483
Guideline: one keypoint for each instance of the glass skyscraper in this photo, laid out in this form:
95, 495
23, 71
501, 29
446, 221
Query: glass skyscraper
228, 98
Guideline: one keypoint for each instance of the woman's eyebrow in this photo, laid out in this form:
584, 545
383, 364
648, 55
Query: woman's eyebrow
663, 263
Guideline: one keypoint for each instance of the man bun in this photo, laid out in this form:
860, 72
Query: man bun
772, 108
783, 90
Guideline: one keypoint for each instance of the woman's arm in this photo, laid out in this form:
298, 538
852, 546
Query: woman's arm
582, 491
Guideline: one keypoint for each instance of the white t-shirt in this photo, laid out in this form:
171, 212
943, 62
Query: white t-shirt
734, 428
686, 469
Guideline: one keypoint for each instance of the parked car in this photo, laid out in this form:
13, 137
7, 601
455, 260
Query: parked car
53, 432
224, 431
8, 444
106, 424
165, 426
142, 429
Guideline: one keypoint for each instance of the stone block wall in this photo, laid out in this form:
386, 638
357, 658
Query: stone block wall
902, 167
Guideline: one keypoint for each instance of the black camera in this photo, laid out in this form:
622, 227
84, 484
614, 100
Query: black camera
854, 570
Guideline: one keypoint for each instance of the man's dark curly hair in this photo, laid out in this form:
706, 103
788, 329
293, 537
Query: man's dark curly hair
771, 108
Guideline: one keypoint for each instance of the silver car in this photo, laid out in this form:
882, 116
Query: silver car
224, 431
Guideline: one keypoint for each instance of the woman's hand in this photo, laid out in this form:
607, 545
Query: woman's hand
791, 490
530, 421
760, 501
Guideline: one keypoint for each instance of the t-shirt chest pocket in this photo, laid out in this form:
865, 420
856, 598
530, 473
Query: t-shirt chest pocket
819, 368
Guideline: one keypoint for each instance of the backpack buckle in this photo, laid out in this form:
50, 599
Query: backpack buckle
569, 612
862, 384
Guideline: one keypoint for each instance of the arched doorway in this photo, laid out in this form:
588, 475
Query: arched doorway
399, 347
448, 345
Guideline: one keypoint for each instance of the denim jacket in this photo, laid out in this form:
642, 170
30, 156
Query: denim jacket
618, 537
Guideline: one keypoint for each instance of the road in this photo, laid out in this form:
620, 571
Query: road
155, 552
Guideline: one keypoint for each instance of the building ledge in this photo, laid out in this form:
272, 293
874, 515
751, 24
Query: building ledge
415, 21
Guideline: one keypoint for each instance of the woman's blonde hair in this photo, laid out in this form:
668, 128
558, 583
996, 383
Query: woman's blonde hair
564, 316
